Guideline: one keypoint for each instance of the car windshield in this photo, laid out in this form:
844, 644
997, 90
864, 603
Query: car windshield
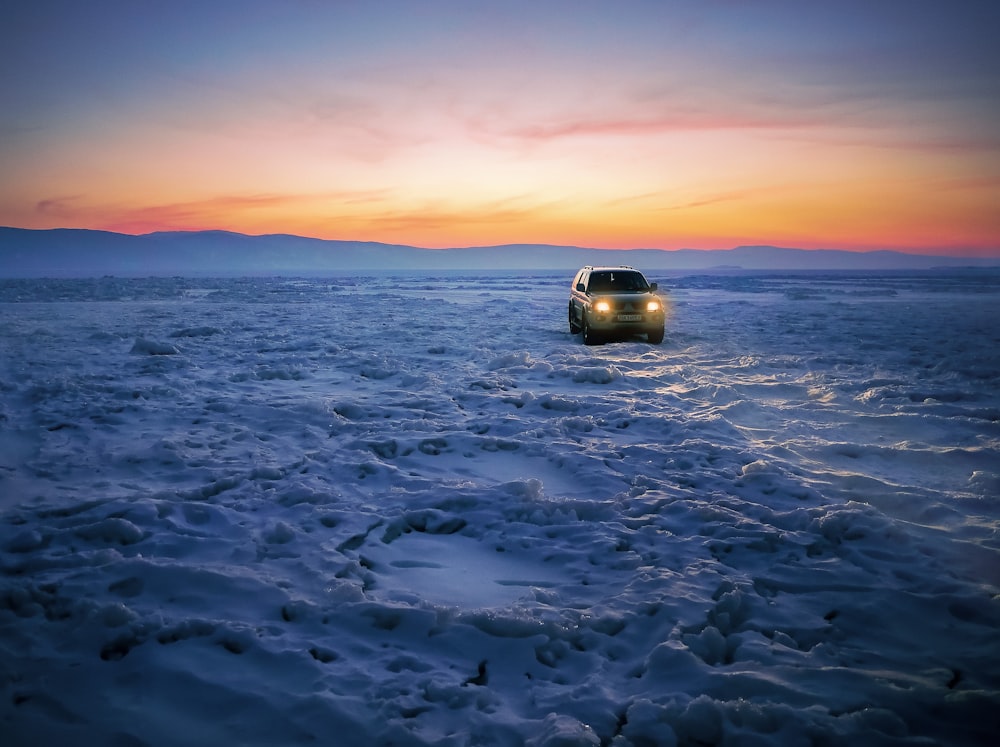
610, 282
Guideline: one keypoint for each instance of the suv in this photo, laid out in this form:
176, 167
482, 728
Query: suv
608, 301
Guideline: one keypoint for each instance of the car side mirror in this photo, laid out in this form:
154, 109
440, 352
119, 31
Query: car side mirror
653, 286
579, 287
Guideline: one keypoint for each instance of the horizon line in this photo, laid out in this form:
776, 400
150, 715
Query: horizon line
994, 255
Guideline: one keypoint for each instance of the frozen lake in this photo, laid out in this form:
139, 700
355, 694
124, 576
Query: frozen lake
397, 510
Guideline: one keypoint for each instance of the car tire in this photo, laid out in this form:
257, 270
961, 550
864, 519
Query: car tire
589, 336
574, 328
655, 336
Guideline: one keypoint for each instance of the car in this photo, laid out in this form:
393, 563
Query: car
610, 302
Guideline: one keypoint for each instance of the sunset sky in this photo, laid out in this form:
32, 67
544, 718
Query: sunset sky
849, 124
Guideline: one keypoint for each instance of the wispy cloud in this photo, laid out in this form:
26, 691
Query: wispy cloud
225, 210
440, 215
193, 214
714, 199
64, 207
629, 127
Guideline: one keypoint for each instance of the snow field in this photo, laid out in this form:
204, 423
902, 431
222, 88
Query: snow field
415, 510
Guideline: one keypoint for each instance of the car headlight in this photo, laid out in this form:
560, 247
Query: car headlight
653, 306
602, 307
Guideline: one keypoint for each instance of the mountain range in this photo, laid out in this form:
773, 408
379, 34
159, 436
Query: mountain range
28, 253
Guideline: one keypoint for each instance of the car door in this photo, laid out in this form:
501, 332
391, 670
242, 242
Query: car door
579, 297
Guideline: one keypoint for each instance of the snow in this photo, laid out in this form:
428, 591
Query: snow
413, 509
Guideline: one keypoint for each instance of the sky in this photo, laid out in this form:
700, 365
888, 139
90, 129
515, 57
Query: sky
856, 125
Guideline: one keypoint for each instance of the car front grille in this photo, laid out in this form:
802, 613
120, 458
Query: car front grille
626, 307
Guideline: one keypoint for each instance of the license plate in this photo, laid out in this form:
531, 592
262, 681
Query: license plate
630, 317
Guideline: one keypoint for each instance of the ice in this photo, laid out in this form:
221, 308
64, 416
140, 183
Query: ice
450, 570
413, 509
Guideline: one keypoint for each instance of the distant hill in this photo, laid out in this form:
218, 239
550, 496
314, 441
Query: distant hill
27, 253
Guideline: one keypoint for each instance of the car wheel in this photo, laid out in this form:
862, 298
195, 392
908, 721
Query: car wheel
589, 336
655, 336
574, 328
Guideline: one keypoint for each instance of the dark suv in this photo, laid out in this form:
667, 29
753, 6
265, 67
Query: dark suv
606, 301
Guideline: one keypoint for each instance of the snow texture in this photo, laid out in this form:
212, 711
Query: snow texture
409, 510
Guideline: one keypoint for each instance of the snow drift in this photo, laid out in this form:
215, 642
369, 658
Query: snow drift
414, 510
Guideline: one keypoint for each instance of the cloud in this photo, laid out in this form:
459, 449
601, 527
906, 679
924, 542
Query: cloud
654, 113
228, 210
194, 213
437, 216
972, 183
733, 196
58, 207
626, 127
